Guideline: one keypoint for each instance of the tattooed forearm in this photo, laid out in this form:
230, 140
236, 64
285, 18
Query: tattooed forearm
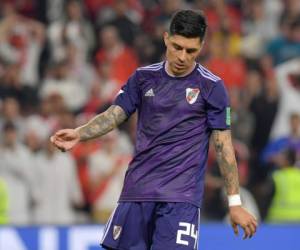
102, 123
226, 160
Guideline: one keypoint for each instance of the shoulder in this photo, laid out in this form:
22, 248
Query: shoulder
148, 72
207, 75
150, 69
208, 81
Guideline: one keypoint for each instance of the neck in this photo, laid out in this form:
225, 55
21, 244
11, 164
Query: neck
171, 73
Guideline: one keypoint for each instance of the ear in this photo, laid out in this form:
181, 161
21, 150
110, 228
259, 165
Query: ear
202, 44
201, 47
166, 37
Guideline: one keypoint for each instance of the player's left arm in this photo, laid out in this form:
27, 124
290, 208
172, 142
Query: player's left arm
228, 168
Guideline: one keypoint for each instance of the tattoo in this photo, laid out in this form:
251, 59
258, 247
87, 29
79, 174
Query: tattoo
102, 123
226, 160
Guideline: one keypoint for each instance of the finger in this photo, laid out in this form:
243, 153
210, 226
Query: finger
235, 228
247, 232
61, 132
52, 139
252, 230
255, 222
60, 145
59, 139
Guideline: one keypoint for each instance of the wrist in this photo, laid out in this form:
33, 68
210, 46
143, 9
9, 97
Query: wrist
77, 131
234, 200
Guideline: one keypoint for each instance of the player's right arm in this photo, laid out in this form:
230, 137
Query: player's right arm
101, 124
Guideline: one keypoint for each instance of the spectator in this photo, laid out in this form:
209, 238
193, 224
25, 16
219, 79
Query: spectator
285, 205
272, 152
80, 69
103, 91
264, 102
114, 52
4, 202
224, 62
57, 181
122, 16
241, 118
61, 82
223, 16
21, 42
17, 169
107, 170
75, 29
259, 26
11, 113
287, 45
288, 80
11, 85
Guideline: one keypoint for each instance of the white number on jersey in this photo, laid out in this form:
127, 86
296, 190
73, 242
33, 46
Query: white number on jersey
189, 230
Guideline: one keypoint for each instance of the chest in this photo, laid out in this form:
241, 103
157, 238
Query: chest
172, 96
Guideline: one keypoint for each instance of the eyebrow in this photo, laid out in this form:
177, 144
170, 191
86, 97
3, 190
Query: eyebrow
187, 49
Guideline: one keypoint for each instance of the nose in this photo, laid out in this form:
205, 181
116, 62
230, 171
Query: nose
182, 56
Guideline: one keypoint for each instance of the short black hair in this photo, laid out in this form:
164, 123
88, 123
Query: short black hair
188, 23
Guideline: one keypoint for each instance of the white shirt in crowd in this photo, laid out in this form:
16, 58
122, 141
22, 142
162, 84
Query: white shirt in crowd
59, 189
17, 169
289, 98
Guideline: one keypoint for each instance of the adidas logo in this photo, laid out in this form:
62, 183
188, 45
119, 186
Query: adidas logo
149, 93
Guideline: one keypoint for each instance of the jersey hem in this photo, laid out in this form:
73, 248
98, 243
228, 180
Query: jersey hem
141, 199
106, 246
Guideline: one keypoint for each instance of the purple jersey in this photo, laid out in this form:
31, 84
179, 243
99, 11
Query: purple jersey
176, 116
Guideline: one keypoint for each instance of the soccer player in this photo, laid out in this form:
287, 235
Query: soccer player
180, 105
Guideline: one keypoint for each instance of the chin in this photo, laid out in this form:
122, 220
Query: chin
180, 71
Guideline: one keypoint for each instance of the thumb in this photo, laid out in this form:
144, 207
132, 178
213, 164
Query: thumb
61, 132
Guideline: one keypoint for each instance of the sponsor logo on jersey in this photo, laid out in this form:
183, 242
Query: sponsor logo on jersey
191, 95
149, 92
117, 232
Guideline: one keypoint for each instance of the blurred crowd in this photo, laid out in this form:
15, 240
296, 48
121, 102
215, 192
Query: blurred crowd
63, 61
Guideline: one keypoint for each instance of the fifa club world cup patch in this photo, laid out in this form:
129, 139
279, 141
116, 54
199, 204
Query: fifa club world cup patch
228, 116
191, 95
117, 232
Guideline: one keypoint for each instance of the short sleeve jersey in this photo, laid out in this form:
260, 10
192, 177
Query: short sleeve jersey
176, 116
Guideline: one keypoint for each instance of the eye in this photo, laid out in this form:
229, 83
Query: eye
177, 47
191, 51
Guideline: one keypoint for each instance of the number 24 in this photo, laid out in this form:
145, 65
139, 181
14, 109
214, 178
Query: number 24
190, 230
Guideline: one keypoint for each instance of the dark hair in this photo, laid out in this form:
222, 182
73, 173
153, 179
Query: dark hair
9, 126
188, 23
295, 22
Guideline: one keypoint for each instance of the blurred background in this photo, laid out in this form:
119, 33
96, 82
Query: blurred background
63, 61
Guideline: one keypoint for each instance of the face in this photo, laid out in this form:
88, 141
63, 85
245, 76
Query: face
181, 53
74, 10
10, 137
295, 123
109, 37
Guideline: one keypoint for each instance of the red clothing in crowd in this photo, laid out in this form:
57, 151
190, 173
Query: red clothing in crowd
122, 65
232, 70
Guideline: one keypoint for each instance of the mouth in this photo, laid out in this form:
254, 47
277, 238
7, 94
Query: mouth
179, 66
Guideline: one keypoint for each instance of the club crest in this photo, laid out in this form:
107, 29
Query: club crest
117, 232
191, 95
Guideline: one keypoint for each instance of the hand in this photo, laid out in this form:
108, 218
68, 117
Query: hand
65, 139
240, 216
